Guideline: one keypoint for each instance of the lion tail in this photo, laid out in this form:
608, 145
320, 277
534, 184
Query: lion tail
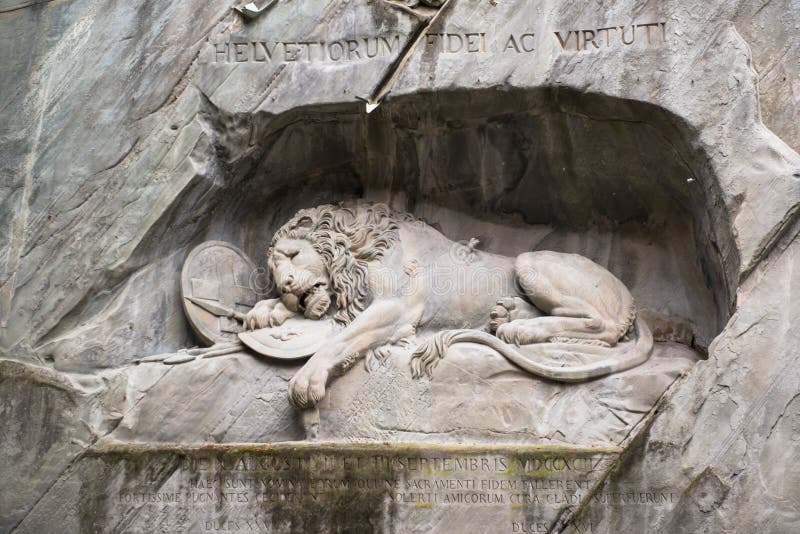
538, 359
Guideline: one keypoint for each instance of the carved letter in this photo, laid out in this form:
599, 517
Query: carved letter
511, 43
240, 51
431, 39
366, 44
352, 49
647, 30
305, 48
473, 42
223, 52
290, 54
339, 54
257, 57
390, 47
606, 37
267, 50
588, 37
564, 40
321, 50
450, 42
522, 39
633, 34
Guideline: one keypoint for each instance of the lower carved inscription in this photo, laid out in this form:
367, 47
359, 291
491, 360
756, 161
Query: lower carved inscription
291, 487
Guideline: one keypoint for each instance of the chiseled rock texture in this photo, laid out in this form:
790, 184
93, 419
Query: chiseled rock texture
132, 131
48, 418
474, 396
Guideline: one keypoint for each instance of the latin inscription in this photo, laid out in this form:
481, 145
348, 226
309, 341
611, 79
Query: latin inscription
579, 40
453, 43
306, 51
446, 43
256, 491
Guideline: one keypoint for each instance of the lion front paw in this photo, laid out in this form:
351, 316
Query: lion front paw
307, 387
267, 313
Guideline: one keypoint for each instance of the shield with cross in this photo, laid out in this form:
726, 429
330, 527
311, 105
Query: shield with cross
218, 275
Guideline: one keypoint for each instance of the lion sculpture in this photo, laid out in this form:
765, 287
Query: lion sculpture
386, 277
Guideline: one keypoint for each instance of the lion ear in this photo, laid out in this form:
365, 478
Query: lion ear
304, 222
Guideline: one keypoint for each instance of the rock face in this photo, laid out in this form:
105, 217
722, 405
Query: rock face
475, 396
658, 140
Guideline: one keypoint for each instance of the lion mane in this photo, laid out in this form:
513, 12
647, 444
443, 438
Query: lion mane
347, 238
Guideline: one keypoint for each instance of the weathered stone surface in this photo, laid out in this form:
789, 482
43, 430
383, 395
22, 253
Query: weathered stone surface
735, 457
475, 396
125, 140
48, 418
320, 487
237, 399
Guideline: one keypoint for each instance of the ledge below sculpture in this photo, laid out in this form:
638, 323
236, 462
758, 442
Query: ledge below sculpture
475, 395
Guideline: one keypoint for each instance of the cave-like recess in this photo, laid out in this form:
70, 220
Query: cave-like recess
618, 181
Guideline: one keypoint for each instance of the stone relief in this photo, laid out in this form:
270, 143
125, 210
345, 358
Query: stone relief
354, 280
660, 141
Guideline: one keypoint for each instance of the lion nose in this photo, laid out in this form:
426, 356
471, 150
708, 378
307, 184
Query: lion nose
287, 283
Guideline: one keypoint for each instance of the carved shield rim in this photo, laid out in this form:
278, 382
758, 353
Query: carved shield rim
189, 308
321, 331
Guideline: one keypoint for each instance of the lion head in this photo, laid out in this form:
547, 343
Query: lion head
323, 253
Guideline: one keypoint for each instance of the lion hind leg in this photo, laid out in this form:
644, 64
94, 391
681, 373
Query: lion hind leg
564, 329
